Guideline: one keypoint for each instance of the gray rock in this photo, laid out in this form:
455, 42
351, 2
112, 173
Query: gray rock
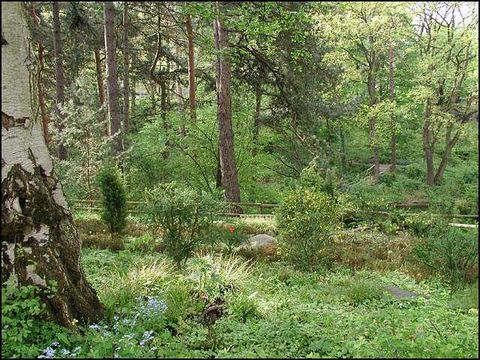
260, 241
400, 293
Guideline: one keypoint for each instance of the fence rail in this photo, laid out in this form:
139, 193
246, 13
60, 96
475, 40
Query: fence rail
132, 207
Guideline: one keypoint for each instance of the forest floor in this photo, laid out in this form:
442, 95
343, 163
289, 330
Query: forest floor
277, 311
264, 307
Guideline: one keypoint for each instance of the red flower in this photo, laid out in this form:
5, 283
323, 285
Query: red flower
231, 229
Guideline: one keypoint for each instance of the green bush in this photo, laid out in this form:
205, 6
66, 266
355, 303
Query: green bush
305, 221
114, 199
184, 216
450, 252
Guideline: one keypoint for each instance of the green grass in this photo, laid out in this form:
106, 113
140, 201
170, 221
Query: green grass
277, 311
269, 309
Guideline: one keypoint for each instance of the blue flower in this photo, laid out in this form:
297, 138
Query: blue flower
95, 327
147, 337
48, 353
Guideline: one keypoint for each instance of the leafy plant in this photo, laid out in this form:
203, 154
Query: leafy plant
26, 328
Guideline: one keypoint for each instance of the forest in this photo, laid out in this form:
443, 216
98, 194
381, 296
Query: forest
239, 179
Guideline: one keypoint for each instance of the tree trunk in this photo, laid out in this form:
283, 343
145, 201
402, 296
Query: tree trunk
179, 88
40, 244
224, 115
393, 139
450, 143
41, 95
59, 76
191, 69
101, 88
372, 92
256, 119
134, 95
112, 79
126, 88
428, 148
343, 154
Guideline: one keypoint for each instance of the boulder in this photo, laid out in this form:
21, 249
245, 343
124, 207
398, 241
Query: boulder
263, 243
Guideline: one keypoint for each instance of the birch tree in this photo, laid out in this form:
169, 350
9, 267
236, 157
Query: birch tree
40, 244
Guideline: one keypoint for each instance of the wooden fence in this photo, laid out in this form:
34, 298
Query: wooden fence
133, 207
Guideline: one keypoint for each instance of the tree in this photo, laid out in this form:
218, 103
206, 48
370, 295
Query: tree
112, 79
59, 75
40, 243
391, 90
100, 87
224, 114
445, 84
191, 67
126, 92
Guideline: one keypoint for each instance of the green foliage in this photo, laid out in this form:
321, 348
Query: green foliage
362, 290
242, 307
114, 199
466, 299
183, 215
326, 181
420, 224
305, 220
25, 325
451, 253
144, 243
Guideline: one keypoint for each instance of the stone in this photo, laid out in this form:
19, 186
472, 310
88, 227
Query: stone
262, 242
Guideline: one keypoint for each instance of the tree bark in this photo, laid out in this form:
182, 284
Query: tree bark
40, 244
126, 89
372, 91
41, 95
112, 79
450, 143
224, 115
393, 139
134, 95
191, 69
101, 88
59, 77
256, 119
428, 148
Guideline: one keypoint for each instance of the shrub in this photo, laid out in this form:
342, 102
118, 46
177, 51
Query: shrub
184, 216
114, 199
305, 221
450, 252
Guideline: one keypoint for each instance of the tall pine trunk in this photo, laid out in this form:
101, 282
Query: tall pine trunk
40, 244
59, 76
126, 89
100, 87
191, 69
112, 79
224, 115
